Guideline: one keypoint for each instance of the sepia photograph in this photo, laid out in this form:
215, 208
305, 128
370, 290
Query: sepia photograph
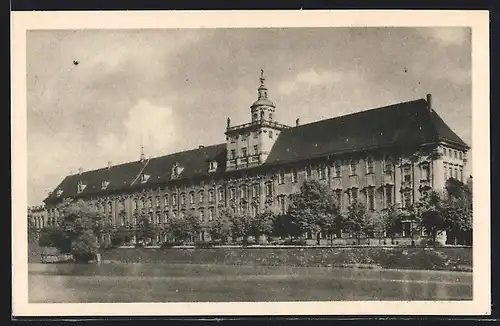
252, 164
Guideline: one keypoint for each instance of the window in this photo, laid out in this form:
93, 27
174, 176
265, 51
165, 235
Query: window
270, 134
191, 197
256, 149
407, 173
354, 193
369, 165
157, 204
220, 194
338, 197
233, 154
244, 151
166, 200
461, 174
233, 140
426, 172
202, 215
445, 171
388, 196
150, 201
406, 199
211, 195
450, 170
270, 116
212, 165
110, 207
231, 193
183, 199
255, 134
337, 172
460, 155
308, 171
255, 191
321, 173
202, 196
281, 177
210, 213
282, 204
243, 137
388, 166
174, 200
255, 116
456, 173
294, 176
136, 205
157, 217
455, 154
255, 210
269, 189
371, 199
353, 167
243, 192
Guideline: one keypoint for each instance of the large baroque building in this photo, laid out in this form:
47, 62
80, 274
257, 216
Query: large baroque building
368, 156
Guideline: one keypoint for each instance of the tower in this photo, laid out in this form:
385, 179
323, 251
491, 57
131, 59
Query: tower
249, 144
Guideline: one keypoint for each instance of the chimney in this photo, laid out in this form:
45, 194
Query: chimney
297, 122
70, 172
201, 146
109, 165
80, 170
429, 101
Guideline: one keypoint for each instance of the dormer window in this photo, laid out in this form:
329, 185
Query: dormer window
176, 170
369, 165
59, 192
144, 178
104, 184
212, 166
80, 187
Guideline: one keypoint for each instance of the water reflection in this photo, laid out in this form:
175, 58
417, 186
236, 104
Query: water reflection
185, 282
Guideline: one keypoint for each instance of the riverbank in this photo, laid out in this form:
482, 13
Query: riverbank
446, 258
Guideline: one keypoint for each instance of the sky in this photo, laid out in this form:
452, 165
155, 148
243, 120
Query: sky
173, 89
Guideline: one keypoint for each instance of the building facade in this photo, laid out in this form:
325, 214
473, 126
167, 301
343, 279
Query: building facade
383, 156
37, 216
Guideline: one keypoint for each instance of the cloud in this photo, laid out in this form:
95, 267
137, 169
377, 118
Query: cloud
448, 35
311, 78
153, 126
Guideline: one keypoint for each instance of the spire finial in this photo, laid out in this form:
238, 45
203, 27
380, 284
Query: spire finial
142, 151
262, 79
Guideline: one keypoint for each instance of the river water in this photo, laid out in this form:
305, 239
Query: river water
139, 282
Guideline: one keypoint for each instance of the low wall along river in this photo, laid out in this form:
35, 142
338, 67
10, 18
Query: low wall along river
454, 259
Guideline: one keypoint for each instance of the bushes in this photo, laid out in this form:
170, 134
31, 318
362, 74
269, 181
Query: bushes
170, 244
295, 242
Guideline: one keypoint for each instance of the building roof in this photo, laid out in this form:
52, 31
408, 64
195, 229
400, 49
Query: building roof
403, 124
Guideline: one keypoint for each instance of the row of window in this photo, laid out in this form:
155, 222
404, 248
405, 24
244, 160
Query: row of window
244, 152
453, 153
453, 171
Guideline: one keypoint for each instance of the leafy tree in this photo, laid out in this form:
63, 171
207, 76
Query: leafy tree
77, 230
183, 228
241, 226
121, 236
374, 223
332, 223
313, 208
432, 215
284, 227
220, 227
356, 219
145, 229
262, 224
392, 221
85, 246
32, 231
458, 208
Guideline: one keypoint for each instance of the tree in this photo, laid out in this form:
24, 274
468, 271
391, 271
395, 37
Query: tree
375, 224
432, 215
220, 227
183, 228
332, 223
262, 224
392, 221
458, 210
145, 229
241, 226
313, 208
77, 230
356, 219
121, 236
284, 227
85, 246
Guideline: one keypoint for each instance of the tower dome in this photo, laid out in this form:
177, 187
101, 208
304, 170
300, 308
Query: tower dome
262, 99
